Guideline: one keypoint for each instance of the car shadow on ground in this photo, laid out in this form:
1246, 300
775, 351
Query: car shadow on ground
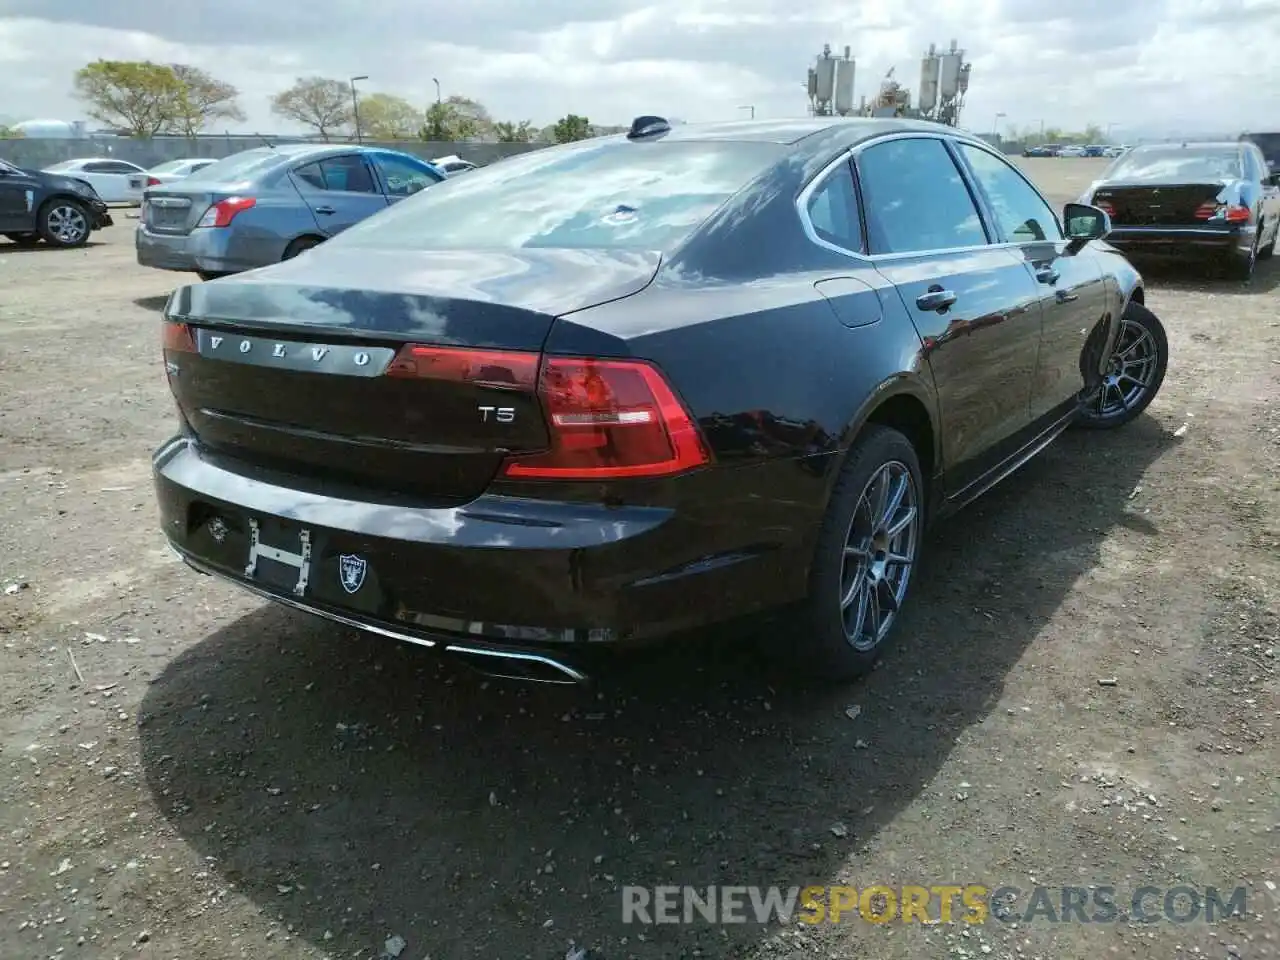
152, 303
1195, 278
8, 246
357, 788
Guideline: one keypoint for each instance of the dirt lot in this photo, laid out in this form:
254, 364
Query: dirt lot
186, 773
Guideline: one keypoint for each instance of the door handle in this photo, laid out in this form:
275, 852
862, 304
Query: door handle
1047, 274
1063, 297
325, 210
936, 300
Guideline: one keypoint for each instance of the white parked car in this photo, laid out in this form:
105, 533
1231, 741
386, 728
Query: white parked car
453, 164
1072, 151
175, 170
116, 181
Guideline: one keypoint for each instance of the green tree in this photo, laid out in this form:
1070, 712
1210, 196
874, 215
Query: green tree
9, 133
387, 117
457, 118
316, 102
521, 132
139, 97
201, 100
572, 127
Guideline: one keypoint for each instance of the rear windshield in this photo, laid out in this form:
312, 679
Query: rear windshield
610, 193
1177, 163
241, 166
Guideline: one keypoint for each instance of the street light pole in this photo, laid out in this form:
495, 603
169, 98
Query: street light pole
995, 126
750, 107
437, 83
355, 107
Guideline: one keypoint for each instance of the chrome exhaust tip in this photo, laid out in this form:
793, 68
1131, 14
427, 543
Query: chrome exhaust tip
510, 665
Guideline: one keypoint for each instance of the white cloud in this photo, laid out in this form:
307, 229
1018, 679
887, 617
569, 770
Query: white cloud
1163, 64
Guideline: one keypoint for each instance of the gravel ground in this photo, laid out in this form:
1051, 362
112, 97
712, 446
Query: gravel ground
1084, 693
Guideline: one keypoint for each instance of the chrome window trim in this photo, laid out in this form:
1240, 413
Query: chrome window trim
985, 148
802, 207
851, 154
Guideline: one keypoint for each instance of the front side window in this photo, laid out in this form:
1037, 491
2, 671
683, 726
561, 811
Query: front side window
605, 194
915, 198
1021, 213
833, 210
402, 176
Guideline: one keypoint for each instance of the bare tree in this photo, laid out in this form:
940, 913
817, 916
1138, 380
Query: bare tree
316, 102
202, 100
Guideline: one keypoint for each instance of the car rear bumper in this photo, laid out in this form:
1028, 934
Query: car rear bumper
200, 251
1178, 241
499, 580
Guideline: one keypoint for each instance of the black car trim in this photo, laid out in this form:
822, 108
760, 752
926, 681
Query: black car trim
501, 655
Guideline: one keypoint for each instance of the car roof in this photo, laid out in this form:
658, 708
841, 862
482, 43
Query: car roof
793, 131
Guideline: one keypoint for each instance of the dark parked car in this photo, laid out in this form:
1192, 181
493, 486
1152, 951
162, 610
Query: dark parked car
1042, 150
1208, 201
62, 211
269, 204
605, 391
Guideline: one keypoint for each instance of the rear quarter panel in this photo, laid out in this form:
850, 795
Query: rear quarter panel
260, 235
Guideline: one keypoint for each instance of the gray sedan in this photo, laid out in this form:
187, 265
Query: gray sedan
270, 204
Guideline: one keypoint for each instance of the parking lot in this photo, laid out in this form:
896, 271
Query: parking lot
1083, 693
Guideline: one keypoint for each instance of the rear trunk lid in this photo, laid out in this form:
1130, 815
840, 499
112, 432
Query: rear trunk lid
173, 209
1158, 204
309, 367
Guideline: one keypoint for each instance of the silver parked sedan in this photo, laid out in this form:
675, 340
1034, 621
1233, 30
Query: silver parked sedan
269, 204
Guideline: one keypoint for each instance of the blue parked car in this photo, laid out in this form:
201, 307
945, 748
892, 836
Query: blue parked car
270, 204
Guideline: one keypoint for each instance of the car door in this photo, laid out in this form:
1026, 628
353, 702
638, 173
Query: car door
18, 195
401, 176
340, 191
108, 179
975, 306
1072, 289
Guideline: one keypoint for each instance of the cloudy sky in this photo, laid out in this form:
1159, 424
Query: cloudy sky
1151, 64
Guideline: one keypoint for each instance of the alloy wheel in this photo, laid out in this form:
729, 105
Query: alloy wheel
67, 224
879, 552
1130, 371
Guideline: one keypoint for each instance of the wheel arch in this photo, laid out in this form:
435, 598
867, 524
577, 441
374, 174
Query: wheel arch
905, 403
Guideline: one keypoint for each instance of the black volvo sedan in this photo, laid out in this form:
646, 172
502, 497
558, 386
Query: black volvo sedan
607, 391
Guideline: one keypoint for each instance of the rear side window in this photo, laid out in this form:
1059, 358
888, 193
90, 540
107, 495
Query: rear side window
607, 193
833, 210
347, 174
916, 199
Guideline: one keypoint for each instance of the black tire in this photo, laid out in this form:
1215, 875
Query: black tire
300, 245
1242, 266
24, 239
826, 649
1269, 251
63, 222
1142, 335
206, 275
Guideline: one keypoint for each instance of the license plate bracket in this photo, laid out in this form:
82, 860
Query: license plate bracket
298, 560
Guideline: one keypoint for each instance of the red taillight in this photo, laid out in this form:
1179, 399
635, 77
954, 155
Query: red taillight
224, 211
610, 419
1231, 213
178, 337
491, 368
153, 181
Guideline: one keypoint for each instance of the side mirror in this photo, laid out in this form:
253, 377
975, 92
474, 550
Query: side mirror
1084, 222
